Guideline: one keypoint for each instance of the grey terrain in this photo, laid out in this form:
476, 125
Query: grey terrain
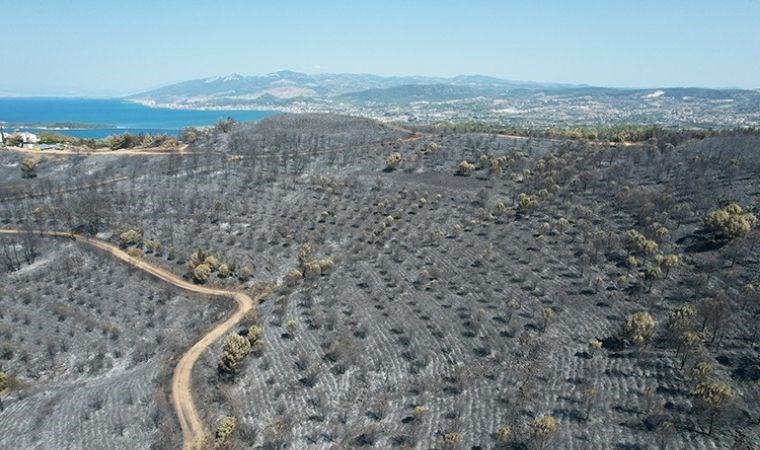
440, 289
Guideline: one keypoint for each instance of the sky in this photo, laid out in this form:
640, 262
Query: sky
104, 48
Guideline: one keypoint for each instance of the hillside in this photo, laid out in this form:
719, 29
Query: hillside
464, 98
443, 290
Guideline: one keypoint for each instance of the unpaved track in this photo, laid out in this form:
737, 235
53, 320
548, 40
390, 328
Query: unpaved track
182, 398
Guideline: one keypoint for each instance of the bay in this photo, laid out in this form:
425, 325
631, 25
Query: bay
98, 118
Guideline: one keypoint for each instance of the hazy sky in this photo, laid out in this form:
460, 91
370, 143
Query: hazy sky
103, 47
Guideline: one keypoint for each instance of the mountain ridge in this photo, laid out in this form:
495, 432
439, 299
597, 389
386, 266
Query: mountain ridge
461, 98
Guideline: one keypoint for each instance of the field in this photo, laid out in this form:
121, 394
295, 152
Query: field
416, 290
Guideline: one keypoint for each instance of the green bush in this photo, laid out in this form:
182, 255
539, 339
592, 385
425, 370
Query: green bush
730, 222
28, 168
464, 168
130, 237
235, 349
393, 161
639, 327
201, 272
224, 430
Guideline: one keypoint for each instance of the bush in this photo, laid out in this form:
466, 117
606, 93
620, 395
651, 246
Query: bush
465, 168
212, 262
639, 327
152, 245
224, 430
702, 371
189, 135
526, 202
4, 386
667, 262
637, 242
504, 434
121, 141
730, 222
543, 429
255, 335
393, 161
293, 277
130, 237
235, 349
201, 272
28, 168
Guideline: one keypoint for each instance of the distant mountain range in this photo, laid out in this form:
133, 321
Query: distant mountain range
462, 98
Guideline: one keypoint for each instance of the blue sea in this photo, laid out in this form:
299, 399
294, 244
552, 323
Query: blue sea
112, 116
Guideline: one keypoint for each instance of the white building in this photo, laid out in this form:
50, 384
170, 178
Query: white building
28, 140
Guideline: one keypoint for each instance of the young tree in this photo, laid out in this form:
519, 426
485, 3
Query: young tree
651, 274
667, 262
714, 312
713, 399
680, 331
639, 327
543, 430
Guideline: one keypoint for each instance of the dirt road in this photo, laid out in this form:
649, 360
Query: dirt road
182, 398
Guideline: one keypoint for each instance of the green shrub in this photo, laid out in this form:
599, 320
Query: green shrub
224, 430
637, 242
28, 168
543, 429
189, 135
130, 237
235, 349
255, 335
730, 222
639, 327
201, 272
393, 161
464, 168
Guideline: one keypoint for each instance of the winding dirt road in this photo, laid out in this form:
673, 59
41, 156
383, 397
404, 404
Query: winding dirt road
182, 398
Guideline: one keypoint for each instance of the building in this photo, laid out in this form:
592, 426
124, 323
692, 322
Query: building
22, 139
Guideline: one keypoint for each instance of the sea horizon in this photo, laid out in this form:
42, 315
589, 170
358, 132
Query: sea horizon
96, 118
